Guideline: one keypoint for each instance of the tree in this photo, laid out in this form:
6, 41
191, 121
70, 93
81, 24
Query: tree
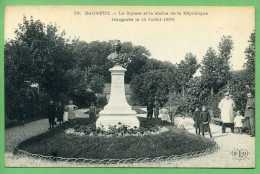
40, 55
97, 83
185, 69
197, 93
139, 57
238, 89
250, 62
153, 83
45, 56
215, 67
212, 70
225, 50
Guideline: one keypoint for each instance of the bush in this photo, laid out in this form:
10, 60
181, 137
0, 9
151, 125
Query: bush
25, 107
101, 101
172, 142
83, 98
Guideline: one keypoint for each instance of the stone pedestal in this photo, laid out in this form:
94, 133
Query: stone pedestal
117, 110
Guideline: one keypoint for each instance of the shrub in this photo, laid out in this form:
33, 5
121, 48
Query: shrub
173, 142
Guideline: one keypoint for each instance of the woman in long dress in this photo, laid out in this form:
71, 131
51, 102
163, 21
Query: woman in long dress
70, 108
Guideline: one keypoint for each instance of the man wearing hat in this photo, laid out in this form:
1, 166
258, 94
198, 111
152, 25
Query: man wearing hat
226, 106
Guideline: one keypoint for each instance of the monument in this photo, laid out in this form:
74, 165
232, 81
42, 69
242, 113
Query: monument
117, 110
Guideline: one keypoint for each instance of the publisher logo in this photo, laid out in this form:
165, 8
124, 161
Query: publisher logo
240, 154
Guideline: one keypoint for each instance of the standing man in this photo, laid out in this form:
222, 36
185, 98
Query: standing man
197, 120
60, 112
156, 108
250, 113
226, 106
171, 113
51, 113
149, 110
92, 112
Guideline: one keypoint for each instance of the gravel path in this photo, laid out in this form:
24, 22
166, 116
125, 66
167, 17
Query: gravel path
231, 146
15, 135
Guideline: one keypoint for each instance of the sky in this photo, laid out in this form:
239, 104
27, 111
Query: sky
179, 31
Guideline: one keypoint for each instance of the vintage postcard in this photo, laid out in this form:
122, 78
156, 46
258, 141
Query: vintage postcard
129, 86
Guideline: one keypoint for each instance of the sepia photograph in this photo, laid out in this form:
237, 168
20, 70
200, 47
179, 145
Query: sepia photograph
129, 86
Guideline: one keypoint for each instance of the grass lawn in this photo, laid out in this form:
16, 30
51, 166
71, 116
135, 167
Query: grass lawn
57, 143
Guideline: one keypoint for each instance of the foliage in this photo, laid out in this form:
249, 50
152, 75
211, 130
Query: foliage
38, 55
62, 69
198, 94
250, 62
83, 98
101, 101
148, 85
225, 48
238, 89
185, 70
212, 70
97, 83
116, 130
159, 78
215, 68
74, 69
172, 142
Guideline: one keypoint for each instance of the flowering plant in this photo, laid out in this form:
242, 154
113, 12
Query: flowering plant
116, 130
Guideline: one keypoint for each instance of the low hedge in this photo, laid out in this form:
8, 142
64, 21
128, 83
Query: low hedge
173, 142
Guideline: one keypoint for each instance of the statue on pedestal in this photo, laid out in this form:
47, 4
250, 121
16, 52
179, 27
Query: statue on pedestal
117, 110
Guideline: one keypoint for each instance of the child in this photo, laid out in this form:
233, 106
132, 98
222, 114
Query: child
239, 122
205, 119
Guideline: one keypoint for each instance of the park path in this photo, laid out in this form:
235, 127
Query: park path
227, 142
15, 135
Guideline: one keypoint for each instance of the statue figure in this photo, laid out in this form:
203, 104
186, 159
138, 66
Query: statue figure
118, 58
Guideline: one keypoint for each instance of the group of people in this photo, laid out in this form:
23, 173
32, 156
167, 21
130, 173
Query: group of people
57, 113
201, 121
154, 111
153, 108
237, 121
229, 118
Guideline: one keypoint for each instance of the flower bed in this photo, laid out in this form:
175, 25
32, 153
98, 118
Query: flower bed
163, 142
117, 130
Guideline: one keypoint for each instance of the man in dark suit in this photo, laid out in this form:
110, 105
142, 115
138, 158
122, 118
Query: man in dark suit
51, 113
149, 110
197, 120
